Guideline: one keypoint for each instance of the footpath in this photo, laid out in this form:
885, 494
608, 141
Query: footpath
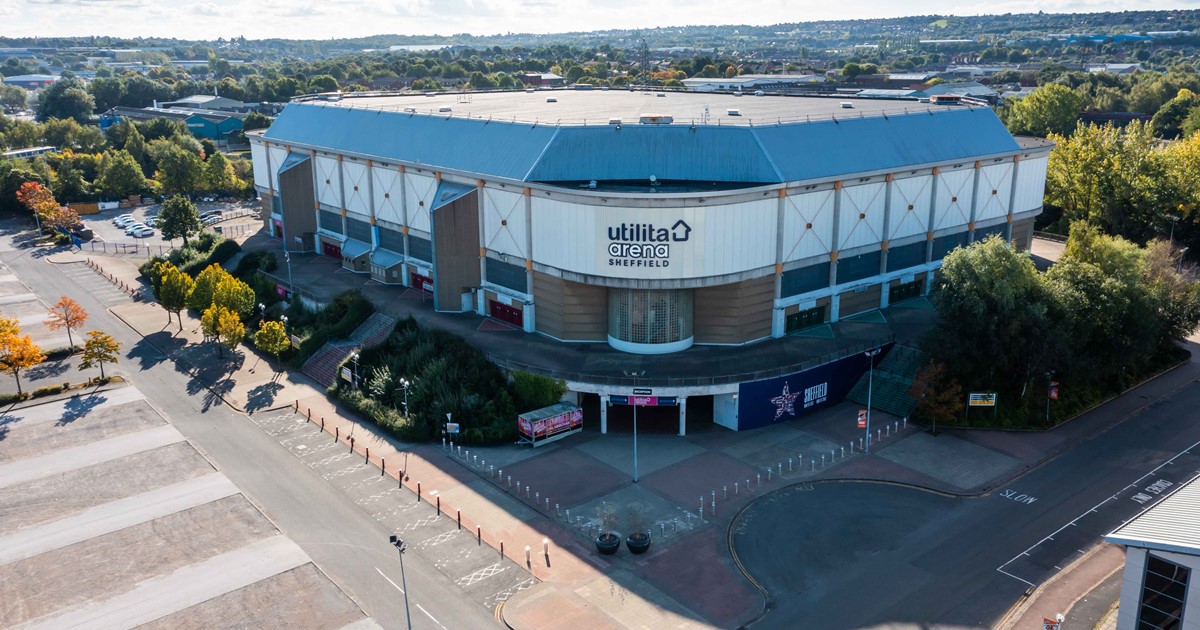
676, 584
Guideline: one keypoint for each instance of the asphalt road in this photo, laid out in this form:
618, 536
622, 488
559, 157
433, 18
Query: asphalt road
343, 540
853, 555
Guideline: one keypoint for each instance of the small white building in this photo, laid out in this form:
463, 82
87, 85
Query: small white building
1162, 551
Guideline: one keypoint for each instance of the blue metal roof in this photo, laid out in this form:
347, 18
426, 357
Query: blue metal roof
292, 160
750, 154
385, 258
669, 152
855, 145
352, 248
478, 146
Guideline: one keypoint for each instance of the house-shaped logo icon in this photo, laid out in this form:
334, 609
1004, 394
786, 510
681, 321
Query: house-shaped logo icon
680, 231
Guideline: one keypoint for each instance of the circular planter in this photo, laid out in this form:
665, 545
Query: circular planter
638, 543
608, 544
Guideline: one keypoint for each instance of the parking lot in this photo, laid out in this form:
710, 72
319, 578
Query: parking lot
113, 519
103, 230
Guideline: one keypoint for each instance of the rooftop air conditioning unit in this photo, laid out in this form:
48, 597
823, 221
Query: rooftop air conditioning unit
551, 99
733, 112
445, 109
614, 121
656, 119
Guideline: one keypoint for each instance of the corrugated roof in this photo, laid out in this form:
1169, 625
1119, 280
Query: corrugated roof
499, 149
352, 248
386, 258
1173, 524
669, 152
750, 154
828, 149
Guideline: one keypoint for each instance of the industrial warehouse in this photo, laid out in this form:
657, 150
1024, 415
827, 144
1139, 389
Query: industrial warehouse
650, 221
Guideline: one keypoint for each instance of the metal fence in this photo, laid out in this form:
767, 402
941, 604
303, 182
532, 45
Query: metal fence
141, 250
691, 381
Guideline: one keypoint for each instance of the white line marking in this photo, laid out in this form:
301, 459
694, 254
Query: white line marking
431, 616
389, 580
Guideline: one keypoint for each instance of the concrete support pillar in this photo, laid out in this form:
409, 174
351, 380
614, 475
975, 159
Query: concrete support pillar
682, 416
603, 413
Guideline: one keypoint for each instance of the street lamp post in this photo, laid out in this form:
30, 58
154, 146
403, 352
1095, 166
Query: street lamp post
399, 544
354, 358
871, 354
287, 258
1174, 219
635, 458
405, 383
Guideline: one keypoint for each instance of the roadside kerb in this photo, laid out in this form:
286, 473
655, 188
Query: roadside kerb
431, 496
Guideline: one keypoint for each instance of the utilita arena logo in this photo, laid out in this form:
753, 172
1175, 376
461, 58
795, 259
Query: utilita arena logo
644, 244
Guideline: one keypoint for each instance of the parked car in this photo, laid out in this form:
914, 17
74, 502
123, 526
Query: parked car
123, 220
129, 229
208, 214
142, 232
151, 221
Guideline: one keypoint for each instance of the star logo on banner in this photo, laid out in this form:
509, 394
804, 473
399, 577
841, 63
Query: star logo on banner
785, 402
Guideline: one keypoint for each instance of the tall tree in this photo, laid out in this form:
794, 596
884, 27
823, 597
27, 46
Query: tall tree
179, 219
1049, 109
178, 170
219, 175
67, 313
174, 289
939, 396
235, 295
120, 175
205, 289
100, 348
271, 338
65, 98
17, 351
38, 200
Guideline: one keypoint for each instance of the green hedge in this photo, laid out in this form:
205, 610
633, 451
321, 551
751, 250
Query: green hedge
346, 312
220, 255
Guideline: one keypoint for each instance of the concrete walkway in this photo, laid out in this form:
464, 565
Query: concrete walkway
1059, 594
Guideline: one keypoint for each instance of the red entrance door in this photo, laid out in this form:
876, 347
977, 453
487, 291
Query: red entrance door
422, 283
506, 313
331, 250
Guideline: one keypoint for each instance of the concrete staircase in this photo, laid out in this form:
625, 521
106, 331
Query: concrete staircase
893, 377
323, 365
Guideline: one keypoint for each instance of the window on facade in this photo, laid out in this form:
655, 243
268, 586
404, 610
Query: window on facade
330, 221
420, 248
858, 267
906, 256
805, 279
983, 233
507, 275
1163, 590
650, 316
358, 230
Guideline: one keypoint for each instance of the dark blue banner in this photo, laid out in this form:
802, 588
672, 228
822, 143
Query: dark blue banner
783, 398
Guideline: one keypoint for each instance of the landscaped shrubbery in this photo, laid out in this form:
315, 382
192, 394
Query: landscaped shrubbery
204, 250
447, 375
346, 312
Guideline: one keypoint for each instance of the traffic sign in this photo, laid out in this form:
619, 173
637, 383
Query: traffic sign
1053, 393
451, 427
862, 418
347, 374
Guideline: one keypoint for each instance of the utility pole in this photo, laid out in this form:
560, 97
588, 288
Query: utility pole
400, 545
871, 354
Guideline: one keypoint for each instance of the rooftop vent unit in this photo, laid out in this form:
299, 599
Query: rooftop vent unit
661, 95
551, 99
656, 119
733, 112
445, 109
410, 110
614, 121
530, 90
592, 184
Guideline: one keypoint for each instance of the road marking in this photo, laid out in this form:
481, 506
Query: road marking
98, 452
431, 616
389, 580
1019, 498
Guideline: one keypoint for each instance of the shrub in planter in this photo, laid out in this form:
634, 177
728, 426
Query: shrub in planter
607, 543
639, 540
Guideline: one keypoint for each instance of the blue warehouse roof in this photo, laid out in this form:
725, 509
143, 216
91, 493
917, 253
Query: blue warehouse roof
771, 153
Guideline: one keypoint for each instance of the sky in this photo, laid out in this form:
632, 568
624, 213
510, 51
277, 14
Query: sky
331, 19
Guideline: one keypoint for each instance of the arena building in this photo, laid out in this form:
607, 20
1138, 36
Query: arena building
647, 221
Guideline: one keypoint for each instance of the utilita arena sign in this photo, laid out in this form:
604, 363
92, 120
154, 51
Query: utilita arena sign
644, 244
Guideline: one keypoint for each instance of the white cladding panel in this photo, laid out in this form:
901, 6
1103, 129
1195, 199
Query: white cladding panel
386, 191
910, 206
504, 222
861, 221
355, 187
807, 225
258, 158
995, 189
954, 198
325, 169
419, 193
278, 155
1031, 185
654, 243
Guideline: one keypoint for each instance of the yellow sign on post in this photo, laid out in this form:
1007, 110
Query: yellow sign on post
982, 399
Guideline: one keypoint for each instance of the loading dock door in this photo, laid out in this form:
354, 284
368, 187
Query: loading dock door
805, 319
506, 313
906, 291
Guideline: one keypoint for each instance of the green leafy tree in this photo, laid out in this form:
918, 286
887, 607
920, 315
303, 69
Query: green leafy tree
1169, 120
323, 83
255, 120
219, 175
67, 133
222, 324
271, 338
1049, 109
65, 98
12, 97
120, 175
107, 92
175, 287
179, 219
178, 170
204, 291
100, 348
234, 295
68, 184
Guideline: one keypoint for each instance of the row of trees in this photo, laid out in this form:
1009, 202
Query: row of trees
223, 301
1104, 314
18, 352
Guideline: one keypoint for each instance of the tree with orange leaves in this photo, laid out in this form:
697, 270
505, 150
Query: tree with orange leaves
17, 352
38, 199
67, 313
